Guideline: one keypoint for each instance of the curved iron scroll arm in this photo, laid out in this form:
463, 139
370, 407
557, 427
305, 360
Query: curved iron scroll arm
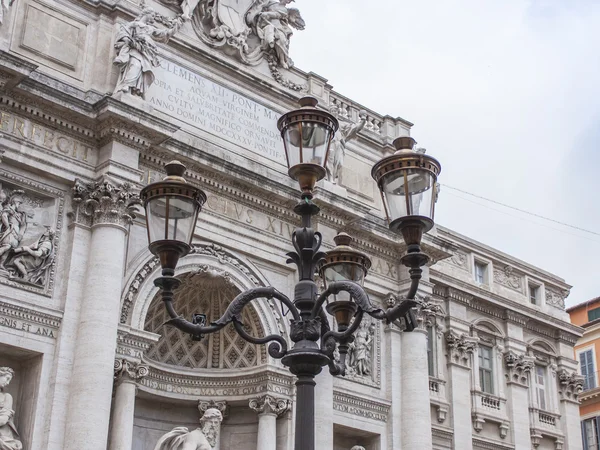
232, 314
277, 349
357, 293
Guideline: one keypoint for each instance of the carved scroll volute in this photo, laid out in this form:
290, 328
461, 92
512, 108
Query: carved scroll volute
571, 385
126, 370
267, 404
205, 405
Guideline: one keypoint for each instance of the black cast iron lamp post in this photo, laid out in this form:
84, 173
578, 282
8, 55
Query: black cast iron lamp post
172, 207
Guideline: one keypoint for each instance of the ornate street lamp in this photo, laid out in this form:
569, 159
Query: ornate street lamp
172, 207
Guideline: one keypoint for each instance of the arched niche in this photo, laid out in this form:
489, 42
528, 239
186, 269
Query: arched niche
204, 291
212, 260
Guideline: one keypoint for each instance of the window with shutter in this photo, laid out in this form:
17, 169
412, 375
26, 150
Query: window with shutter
586, 362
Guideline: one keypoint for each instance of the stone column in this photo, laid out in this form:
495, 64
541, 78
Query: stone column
570, 386
268, 409
518, 370
221, 406
416, 410
393, 371
460, 350
108, 207
127, 375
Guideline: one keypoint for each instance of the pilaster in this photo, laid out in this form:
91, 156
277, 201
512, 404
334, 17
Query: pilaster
518, 368
460, 348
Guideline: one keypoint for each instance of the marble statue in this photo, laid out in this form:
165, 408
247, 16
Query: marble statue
31, 263
137, 53
361, 350
9, 437
4, 8
272, 22
358, 447
13, 223
203, 438
346, 132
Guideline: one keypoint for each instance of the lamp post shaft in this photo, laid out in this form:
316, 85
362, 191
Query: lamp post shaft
305, 412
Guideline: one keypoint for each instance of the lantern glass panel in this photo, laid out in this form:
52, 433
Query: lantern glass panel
307, 142
344, 272
171, 217
409, 193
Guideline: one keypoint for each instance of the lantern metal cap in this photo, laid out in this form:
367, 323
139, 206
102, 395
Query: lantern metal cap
175, 170
308, 112
344, 253
405, 158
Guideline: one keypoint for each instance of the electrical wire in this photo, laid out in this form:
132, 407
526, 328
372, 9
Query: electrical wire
520, 210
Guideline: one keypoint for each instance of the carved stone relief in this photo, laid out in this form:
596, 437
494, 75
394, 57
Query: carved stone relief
253, 30
360, 354
9, 437
29, 222
460, 259
508, 278
555, 298
205, 405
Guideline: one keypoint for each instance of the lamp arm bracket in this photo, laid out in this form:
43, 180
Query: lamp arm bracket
234, 310
346, 335
357, 293
277, 349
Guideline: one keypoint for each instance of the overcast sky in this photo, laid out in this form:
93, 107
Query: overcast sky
506, 94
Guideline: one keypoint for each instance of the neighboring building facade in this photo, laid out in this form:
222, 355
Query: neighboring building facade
82, 323
587, 315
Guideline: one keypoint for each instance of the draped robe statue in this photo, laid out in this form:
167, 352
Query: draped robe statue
203, 438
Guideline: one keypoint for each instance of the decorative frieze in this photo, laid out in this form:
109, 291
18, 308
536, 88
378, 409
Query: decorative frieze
571, 385
518, 368
267, 404
508, 278
556, 298
104, 202
244, 386
361, 407
460, 348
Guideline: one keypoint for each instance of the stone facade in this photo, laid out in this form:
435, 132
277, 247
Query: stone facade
95, 97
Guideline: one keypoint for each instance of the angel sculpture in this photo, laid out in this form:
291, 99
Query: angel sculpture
203, 438
272, 22
137, 53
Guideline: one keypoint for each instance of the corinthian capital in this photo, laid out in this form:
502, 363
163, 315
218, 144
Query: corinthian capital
104, 202
517, 368
204, 405
127, 370
427, 311
268, 404
460, 348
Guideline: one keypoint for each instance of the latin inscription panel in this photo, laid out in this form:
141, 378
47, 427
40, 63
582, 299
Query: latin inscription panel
213, 108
